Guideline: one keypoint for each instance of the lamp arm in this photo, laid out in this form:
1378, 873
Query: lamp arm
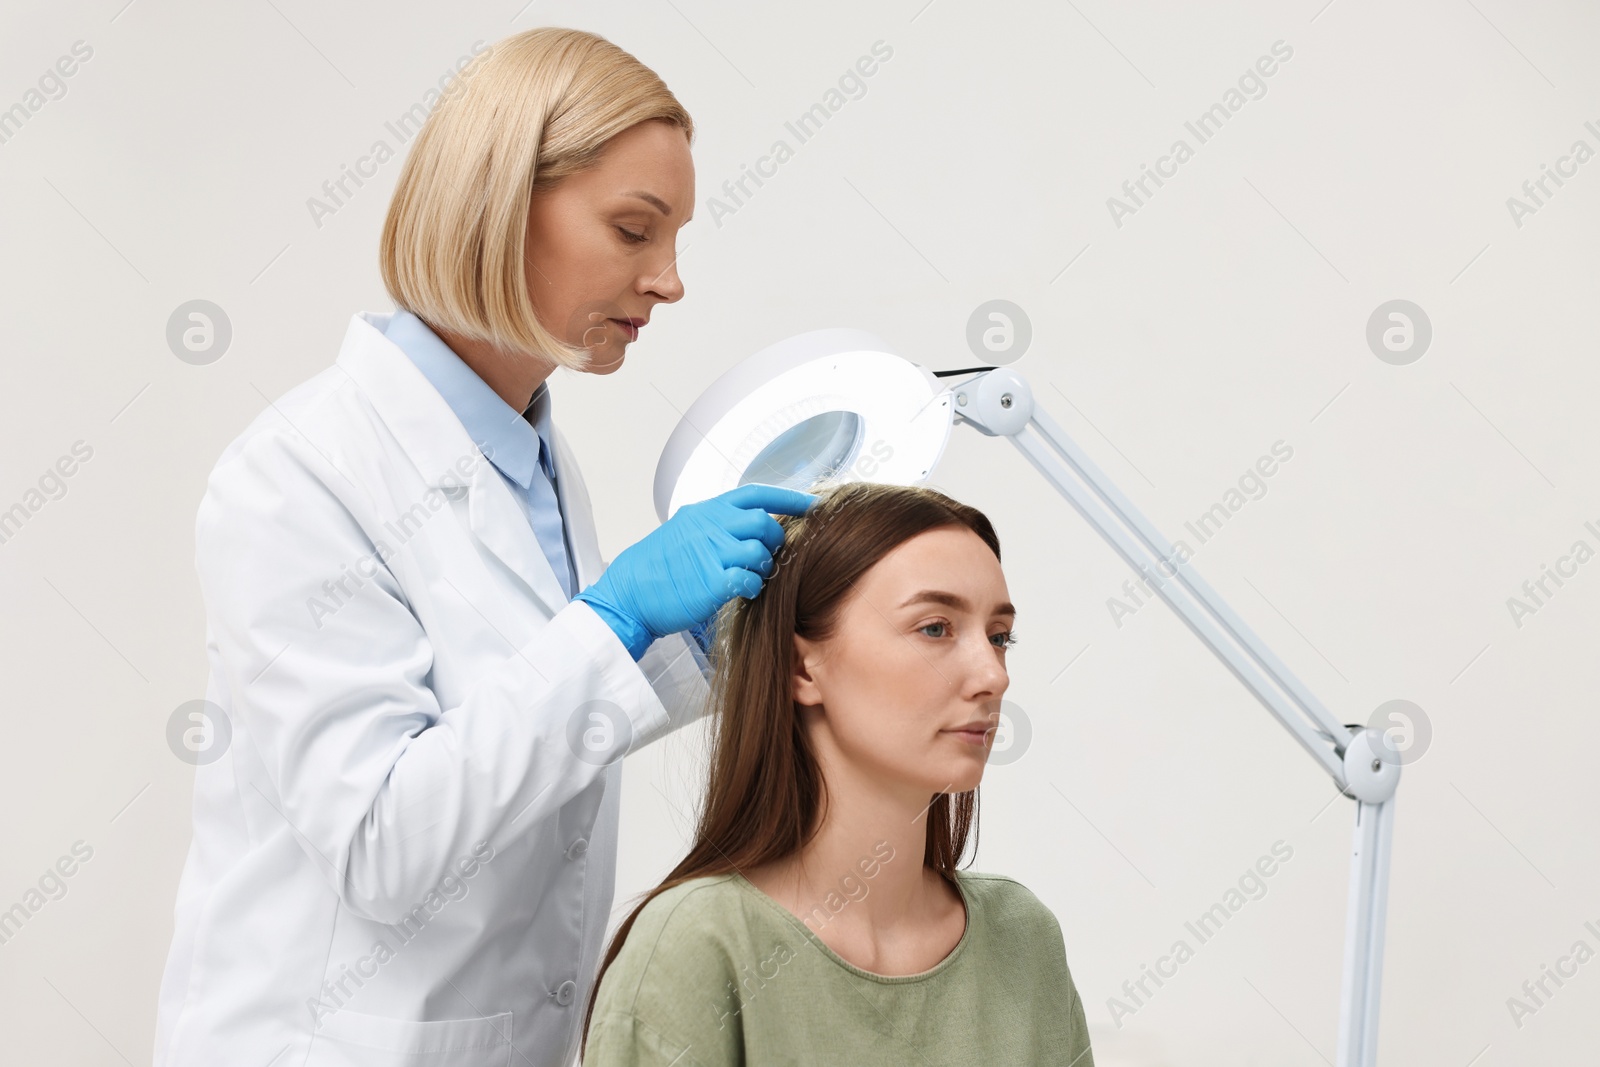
999, 403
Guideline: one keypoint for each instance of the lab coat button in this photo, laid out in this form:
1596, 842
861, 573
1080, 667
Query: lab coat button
566, 992
578, 848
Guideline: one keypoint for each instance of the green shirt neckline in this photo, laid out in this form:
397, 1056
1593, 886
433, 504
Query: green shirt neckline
972, 919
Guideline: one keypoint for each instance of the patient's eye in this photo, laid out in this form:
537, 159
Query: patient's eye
1007, 637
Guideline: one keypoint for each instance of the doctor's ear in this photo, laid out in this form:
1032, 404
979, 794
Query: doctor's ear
803, 681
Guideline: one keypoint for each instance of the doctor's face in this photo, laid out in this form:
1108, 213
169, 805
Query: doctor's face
906, 693
602, 244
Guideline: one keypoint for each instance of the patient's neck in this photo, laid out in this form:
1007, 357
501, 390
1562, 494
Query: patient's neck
861, 879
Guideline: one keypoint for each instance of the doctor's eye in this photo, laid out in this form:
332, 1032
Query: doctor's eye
631, 236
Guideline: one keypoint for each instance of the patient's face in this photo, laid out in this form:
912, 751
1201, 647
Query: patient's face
888, 695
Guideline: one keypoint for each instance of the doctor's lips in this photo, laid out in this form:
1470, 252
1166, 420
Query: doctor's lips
630, 326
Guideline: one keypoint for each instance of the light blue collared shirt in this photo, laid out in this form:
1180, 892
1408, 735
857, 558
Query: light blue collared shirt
518, 444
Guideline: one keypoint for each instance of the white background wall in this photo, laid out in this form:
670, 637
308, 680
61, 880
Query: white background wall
1228, 313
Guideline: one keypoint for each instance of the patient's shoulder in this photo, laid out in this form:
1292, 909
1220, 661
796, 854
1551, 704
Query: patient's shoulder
1010, 908
693, 933
679, 980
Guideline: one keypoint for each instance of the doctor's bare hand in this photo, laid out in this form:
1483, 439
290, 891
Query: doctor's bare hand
706, 554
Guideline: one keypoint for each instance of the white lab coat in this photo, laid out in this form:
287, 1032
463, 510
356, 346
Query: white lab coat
401, 857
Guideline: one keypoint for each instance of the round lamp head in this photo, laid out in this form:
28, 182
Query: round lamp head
808, 412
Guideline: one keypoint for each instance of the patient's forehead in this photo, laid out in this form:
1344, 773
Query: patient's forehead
948, 558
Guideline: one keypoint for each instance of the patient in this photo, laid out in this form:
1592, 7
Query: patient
820, 917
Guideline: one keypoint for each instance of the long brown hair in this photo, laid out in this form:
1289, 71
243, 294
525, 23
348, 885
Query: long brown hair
764, 788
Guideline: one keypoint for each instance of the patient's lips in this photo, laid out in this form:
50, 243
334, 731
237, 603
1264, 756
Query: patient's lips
973, 733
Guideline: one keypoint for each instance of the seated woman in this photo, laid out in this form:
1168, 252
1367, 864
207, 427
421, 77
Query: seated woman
819, 917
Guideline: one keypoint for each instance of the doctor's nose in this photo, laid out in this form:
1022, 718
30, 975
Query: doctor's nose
666, 283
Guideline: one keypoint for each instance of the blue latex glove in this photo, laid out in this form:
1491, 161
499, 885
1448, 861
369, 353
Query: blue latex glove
679, 574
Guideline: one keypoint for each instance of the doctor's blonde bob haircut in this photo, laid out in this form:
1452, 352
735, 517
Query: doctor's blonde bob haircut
526, 113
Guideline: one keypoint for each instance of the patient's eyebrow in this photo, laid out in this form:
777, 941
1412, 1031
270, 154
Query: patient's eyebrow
960, 603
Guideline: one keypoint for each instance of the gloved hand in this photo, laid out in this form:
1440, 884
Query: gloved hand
680, 573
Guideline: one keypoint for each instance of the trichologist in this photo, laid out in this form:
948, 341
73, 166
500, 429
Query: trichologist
428, 674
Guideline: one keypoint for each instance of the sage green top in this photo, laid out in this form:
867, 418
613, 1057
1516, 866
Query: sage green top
715, 972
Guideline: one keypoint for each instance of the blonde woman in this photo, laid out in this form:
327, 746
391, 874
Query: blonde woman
425, 672
820, 916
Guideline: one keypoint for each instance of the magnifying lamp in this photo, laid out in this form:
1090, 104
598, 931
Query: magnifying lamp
839, 405
831, 405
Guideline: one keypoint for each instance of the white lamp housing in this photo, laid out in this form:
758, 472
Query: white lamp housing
819, 408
